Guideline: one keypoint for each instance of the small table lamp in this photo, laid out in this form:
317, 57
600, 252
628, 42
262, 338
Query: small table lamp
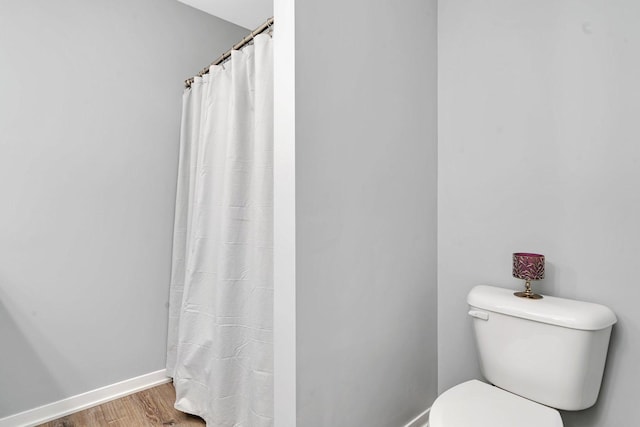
528, 267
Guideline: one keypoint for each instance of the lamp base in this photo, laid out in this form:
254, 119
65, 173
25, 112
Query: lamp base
527, 292
529, 295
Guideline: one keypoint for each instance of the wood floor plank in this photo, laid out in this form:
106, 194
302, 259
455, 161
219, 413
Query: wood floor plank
125, 412
164, 404
162, 400
148, 406
152, 407
89, 417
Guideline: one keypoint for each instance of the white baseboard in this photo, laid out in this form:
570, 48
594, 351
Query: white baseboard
422, 420
67, 406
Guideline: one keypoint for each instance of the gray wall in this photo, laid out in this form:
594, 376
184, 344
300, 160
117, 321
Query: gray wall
90, 98
538, 151
365, 211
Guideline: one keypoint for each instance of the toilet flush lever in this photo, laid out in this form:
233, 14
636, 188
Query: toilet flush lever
483, 315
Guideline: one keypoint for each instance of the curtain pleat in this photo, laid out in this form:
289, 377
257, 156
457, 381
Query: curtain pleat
220, 345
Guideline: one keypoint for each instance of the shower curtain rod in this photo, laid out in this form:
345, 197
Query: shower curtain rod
262, 28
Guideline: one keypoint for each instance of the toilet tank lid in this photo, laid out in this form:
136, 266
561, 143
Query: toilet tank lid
555, 311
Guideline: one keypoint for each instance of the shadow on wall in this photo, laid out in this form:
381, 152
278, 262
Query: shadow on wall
25, 367
547, 286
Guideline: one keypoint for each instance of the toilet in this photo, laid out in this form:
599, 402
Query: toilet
538, 356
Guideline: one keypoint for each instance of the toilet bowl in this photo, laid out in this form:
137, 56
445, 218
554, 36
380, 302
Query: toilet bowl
477, 404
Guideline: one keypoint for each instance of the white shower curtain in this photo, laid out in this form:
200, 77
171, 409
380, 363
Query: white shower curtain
220, 345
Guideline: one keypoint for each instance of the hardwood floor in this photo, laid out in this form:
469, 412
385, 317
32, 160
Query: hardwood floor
152, 407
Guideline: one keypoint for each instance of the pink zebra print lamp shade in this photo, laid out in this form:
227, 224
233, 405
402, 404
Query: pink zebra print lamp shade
528, 267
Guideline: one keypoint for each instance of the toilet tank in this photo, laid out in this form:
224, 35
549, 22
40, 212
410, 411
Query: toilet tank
551, 350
